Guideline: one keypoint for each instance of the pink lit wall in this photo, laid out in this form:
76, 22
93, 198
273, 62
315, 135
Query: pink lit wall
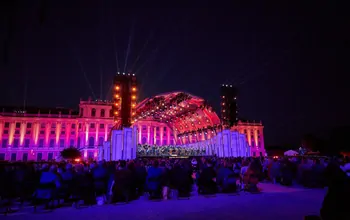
34, 136
254, 134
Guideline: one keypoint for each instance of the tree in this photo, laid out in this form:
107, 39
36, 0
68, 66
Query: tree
70, 153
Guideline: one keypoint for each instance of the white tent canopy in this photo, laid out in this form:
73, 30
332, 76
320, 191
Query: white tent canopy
290, 153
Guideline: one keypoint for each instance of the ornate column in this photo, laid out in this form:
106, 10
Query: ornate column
140, 133
58, 132
106, 132
148, 134
47, 133
256, 137
96, 135
168, 136
86, 134
154, 135
11, 132
249, 137
22, 132
161, 134
68, 131
1, 130
35, 133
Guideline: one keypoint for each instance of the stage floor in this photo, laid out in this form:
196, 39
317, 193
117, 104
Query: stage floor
275, 202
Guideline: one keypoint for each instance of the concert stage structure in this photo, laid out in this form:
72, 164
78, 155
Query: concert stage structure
113, 130
180, 119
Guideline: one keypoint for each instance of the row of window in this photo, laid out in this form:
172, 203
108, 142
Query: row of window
94, 113
61, 143
144, 128
245, 131
39, 156
13, 157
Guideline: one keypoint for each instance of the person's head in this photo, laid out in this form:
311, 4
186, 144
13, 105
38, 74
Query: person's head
92, 166
100, 163
69, 167
53, 168
131, 165
122, 164
245, 163
79, 168
209, 163
45, 167
228, 164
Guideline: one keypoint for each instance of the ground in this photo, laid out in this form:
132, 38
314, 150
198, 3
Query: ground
275, 202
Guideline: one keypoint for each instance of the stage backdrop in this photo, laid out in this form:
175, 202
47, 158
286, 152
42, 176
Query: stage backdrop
123, 145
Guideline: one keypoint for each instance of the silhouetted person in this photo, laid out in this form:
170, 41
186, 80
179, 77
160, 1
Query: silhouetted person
207, 179
122, 183
335, 206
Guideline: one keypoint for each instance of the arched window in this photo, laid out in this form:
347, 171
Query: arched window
91, 141
93, 112
100, 141
102, 114
111, 113
78, 142
81, 111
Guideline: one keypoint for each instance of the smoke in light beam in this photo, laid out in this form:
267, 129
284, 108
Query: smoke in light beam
129, 45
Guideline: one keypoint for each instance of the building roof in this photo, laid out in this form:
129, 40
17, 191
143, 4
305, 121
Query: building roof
13, 111
184, 112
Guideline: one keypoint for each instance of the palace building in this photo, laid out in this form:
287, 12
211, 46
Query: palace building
175, 118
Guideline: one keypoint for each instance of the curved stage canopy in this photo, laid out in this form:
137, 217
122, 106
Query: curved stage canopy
183, 112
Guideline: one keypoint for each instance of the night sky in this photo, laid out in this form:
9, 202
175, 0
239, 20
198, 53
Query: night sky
284, 59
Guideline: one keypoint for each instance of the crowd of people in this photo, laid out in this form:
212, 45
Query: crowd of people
168, 151
123, 181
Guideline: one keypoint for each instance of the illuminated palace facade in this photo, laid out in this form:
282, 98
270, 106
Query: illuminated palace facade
175, 118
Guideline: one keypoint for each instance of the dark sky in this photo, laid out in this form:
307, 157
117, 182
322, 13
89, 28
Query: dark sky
284, 59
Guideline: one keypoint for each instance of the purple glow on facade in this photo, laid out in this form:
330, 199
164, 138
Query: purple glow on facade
41, 136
